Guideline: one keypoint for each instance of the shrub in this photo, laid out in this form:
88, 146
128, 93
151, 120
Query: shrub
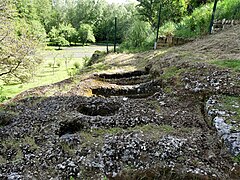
50, 64
167, 29
195, 25
76, 65
228, 9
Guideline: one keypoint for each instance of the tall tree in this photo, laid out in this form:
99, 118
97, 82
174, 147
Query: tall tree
17, 46
172, 10
86, 33
44, 12
138, 33
58, 36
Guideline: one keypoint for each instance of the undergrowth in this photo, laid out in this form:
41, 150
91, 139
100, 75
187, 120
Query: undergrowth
197, 24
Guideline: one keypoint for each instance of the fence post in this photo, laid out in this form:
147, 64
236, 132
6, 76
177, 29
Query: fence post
115, 35
158, 25
107, 43
213, 13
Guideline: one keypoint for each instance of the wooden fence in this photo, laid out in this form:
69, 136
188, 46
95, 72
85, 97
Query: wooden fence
168, 41
219, 25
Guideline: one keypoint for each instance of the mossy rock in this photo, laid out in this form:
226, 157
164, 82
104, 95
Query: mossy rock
95, 57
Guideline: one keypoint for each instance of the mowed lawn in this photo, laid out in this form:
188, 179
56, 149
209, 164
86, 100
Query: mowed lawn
45, 73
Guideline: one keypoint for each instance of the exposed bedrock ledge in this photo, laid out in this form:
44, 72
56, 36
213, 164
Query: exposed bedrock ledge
223, 121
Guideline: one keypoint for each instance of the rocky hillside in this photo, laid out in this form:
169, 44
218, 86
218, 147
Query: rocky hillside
167, 114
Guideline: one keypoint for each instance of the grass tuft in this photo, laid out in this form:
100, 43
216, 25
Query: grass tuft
232, 64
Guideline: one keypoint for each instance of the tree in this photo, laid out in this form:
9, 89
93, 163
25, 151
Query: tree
57, 37
44, 12
138, 33
86, 33
172, 10
28, 20
69, 32
192, 4
84, 11
17, 46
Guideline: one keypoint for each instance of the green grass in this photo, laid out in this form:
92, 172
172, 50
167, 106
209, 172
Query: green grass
232, 64
171, 72
232, 103
46, 74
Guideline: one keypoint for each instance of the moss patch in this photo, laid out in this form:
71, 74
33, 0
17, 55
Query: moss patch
155, 105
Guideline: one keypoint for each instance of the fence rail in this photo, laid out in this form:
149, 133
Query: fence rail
219, 25
168, 41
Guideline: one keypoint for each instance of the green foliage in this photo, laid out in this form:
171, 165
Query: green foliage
104, 178
2, 97
171, 10
84, 11
139, 36
195, 25
86, 61
76, 65
28, 19
167, 29
228, 9
58, 35
69, 33
61, 41
237, 159
138, 33
43, 9
195, 4
71, 178
86, 34
18, 46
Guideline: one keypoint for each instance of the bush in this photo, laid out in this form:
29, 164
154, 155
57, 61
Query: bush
76, 65
50, 64
228, 9
195, 25
167, 29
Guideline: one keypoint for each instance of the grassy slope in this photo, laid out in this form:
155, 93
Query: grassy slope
47, 75
214, 49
